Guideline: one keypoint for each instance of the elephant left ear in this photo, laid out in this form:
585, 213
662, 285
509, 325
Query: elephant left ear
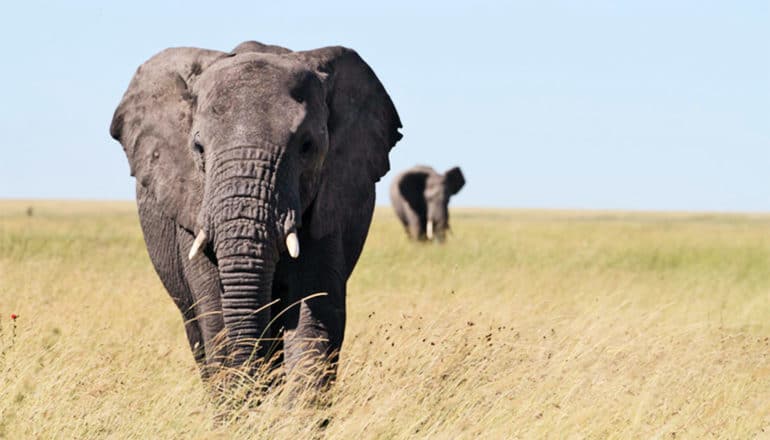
363, 127
454, 180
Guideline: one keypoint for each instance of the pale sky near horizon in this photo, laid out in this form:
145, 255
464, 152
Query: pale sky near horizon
654, 105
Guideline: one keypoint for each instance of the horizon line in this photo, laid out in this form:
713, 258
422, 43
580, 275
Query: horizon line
461, 207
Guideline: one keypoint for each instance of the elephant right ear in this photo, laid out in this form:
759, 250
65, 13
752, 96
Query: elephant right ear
153, 122
454, 180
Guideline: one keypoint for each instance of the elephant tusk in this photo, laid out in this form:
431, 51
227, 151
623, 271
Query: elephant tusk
196, 246
430, 230
292, 244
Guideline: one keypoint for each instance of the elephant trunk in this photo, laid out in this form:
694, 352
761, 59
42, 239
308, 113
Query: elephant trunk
248, 229
246, 272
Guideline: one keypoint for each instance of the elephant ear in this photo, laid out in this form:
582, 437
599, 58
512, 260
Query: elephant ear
411, 186
153, 122
454, 180
362, 126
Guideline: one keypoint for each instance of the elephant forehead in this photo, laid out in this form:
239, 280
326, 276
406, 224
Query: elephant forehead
434, 182
434, 192
253, 66
261, 80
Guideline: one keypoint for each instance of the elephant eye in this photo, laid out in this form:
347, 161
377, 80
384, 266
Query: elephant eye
307, 146
197, 146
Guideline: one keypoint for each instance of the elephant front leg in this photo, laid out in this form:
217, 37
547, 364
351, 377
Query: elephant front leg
202, 279
315, 325
312, 348
415, 224
160, 237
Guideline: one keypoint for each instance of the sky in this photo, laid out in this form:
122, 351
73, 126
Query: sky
644, 105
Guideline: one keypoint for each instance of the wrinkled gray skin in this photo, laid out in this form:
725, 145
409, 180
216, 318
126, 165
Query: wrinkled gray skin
420, 197
249, 147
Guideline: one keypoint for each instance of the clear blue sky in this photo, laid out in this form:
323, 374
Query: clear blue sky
555, 104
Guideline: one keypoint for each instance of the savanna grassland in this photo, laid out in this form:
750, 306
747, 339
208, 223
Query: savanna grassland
527, 324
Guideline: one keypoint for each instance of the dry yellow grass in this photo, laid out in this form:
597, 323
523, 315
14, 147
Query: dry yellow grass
527, 324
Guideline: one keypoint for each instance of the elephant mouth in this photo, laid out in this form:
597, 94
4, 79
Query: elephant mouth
201, 240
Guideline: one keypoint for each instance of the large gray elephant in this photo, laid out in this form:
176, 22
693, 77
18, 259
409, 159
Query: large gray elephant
420, 197
255, 173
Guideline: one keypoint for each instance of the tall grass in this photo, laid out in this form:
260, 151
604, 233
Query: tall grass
530, 324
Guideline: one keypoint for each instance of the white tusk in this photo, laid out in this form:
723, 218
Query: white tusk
196, 246
430, 230
292, 244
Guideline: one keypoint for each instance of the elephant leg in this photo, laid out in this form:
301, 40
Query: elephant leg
315, 326
414, 229
414, 223
160, 237
203, 280
400, 207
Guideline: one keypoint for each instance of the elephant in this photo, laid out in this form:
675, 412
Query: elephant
240, 157
420, 197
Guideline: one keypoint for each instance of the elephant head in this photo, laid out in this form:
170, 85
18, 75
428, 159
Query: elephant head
421, 196
251, 150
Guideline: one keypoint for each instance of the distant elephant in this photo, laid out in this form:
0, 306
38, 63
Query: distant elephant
239, 158
420, 197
